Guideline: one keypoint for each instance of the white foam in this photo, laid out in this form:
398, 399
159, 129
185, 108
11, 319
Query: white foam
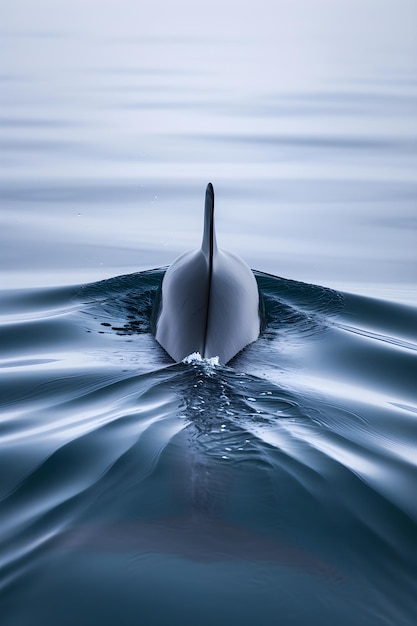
196, 357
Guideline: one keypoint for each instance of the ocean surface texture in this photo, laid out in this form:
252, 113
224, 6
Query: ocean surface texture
281, 488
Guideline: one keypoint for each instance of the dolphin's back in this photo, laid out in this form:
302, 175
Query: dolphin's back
209, 301
233, 311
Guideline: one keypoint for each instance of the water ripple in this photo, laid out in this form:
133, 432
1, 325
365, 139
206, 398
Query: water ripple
278, 459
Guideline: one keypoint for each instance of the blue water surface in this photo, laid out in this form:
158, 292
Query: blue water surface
279, 488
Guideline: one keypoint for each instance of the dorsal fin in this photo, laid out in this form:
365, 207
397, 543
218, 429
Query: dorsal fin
209, 300
209, 244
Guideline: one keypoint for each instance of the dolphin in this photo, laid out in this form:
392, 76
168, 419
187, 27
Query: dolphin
208, 301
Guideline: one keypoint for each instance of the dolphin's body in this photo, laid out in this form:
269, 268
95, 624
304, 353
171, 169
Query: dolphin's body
208, 301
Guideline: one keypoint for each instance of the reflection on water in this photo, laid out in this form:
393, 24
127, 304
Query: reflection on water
287, 476
304, 119
283, 485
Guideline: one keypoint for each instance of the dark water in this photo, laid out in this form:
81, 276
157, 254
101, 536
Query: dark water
134, 489
280, 489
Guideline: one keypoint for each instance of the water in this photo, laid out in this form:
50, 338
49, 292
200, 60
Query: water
280, 488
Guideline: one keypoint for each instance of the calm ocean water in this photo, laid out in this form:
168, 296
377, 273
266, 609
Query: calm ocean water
277, 489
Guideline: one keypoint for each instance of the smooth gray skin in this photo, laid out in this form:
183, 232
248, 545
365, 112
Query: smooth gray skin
209, 300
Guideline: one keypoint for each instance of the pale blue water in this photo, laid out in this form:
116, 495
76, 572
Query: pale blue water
279, 489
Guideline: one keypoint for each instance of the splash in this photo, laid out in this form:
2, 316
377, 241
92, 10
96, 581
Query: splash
196, 357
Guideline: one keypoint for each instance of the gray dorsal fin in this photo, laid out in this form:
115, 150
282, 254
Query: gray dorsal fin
209, 300
209, 244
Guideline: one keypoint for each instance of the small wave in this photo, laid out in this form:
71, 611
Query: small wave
297, 456
196, 357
